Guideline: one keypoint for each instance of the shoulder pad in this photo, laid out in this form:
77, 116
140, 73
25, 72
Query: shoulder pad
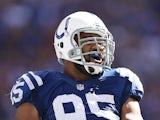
24, 85
137, 87
125, 72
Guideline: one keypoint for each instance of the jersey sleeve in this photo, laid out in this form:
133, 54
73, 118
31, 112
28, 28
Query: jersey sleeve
24, 87
133, 87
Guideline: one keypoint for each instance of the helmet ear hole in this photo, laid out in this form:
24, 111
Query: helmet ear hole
61, 44
76, 38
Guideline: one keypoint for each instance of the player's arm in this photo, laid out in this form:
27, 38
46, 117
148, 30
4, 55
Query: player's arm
131, 110
27, 111
24, 97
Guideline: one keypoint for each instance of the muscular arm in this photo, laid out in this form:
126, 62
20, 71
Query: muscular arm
131, 110
27, 111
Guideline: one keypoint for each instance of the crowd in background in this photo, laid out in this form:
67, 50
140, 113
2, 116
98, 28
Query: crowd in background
26, 41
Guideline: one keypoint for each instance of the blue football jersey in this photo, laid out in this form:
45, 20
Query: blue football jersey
56, 96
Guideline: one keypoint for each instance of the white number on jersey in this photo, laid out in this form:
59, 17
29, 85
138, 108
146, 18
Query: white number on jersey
79, 114
18, 91
16, 94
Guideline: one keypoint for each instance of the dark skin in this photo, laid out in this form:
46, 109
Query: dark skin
90, 47
130, 109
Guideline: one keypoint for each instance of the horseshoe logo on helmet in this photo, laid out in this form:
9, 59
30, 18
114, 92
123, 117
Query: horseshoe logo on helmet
65, 29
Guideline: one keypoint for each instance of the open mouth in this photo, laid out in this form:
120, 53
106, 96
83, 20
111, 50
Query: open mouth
96, 57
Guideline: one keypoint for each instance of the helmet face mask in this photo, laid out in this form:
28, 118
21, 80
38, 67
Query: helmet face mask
71, 39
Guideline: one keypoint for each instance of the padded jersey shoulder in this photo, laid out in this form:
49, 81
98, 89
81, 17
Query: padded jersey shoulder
137, 90
122, 72
132, 77
128, 76
30, 81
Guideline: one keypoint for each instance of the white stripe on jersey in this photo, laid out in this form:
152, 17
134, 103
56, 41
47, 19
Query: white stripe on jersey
37, 78
28, 81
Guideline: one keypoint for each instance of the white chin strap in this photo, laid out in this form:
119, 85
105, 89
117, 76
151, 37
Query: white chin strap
95, 69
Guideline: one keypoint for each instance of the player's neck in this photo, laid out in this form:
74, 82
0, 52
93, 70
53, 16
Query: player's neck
77, 75
74, 73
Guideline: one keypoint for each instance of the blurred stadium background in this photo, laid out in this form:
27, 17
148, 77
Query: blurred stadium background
26, 34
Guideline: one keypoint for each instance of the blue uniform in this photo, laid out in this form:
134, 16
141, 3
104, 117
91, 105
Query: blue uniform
58, 97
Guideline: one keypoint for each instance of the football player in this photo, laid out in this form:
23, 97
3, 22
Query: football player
88, 88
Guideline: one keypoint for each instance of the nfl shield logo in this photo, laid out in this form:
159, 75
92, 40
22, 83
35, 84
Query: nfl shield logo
80, 87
